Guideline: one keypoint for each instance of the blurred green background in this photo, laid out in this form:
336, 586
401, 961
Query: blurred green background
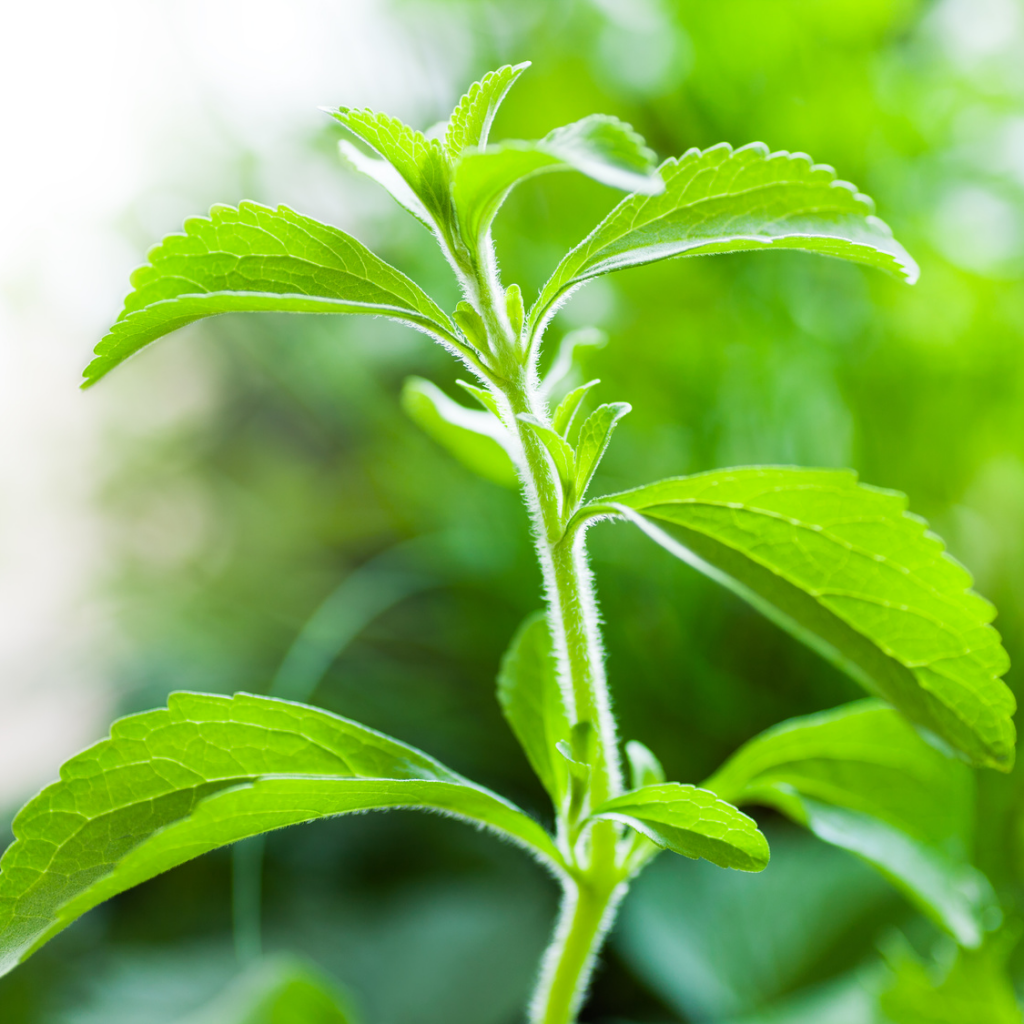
289, 465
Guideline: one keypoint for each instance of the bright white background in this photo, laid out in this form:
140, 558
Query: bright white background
120, 119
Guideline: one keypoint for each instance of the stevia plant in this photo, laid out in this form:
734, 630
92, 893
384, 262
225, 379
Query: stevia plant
840, 565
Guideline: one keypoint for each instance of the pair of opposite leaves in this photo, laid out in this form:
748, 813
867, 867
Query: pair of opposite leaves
842, 566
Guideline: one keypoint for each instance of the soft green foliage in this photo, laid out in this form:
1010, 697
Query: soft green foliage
726, 200
861, 778
843, 567
278, 990
170, 785
974, 989
531, 700
693, 822
475, 438
846, 569
255, 258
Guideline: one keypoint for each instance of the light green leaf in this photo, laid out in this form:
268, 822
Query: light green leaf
253, 259
278, 990
531, 700
564, 415
415, 169
170, 785
470, 123
483, 396
644, 768
693, 822
563, 368
859, 777
975, 989
847, 570
560, 449
595, 434
601, 147
476, 439
725, 200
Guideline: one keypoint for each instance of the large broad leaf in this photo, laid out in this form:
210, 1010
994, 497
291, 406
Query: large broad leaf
847, 570
476, 438
693, 822
530, 697
861, 778
471, 120
725, 200
601, 147
170, 785
278, 990
256, 259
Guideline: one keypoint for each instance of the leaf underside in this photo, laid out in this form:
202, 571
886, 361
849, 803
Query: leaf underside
252, 259
861, 778
848, 571
692, 822
475, 438
725, 200
172, 784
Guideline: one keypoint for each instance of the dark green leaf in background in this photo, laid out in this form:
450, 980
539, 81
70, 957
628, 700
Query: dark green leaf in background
861, 778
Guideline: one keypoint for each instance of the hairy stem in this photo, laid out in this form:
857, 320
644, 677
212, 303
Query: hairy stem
587, 912
598, 882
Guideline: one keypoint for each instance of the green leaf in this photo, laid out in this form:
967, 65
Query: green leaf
254, 259
514, 308
470, 123
531, 700
595, 434
861, 778
560, 449
562, 420
172, 784
644, 768
725, 200
483, 396
476, 439
693, 822
415, 170
563, 367
278, 990
601, 147
847, 570
975, 989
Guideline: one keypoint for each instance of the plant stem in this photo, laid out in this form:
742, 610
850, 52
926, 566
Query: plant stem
598, 884
587, 912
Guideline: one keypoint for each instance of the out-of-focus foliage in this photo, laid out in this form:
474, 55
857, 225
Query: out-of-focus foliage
298, 466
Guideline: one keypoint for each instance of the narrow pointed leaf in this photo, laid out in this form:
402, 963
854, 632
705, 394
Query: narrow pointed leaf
470, 123
692, 822
252, 259
532, 703
601, 147
861, 778
562, 420
172, 784
560, 449
595, 435
725, 200
484, 397
847, 570
475, 438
